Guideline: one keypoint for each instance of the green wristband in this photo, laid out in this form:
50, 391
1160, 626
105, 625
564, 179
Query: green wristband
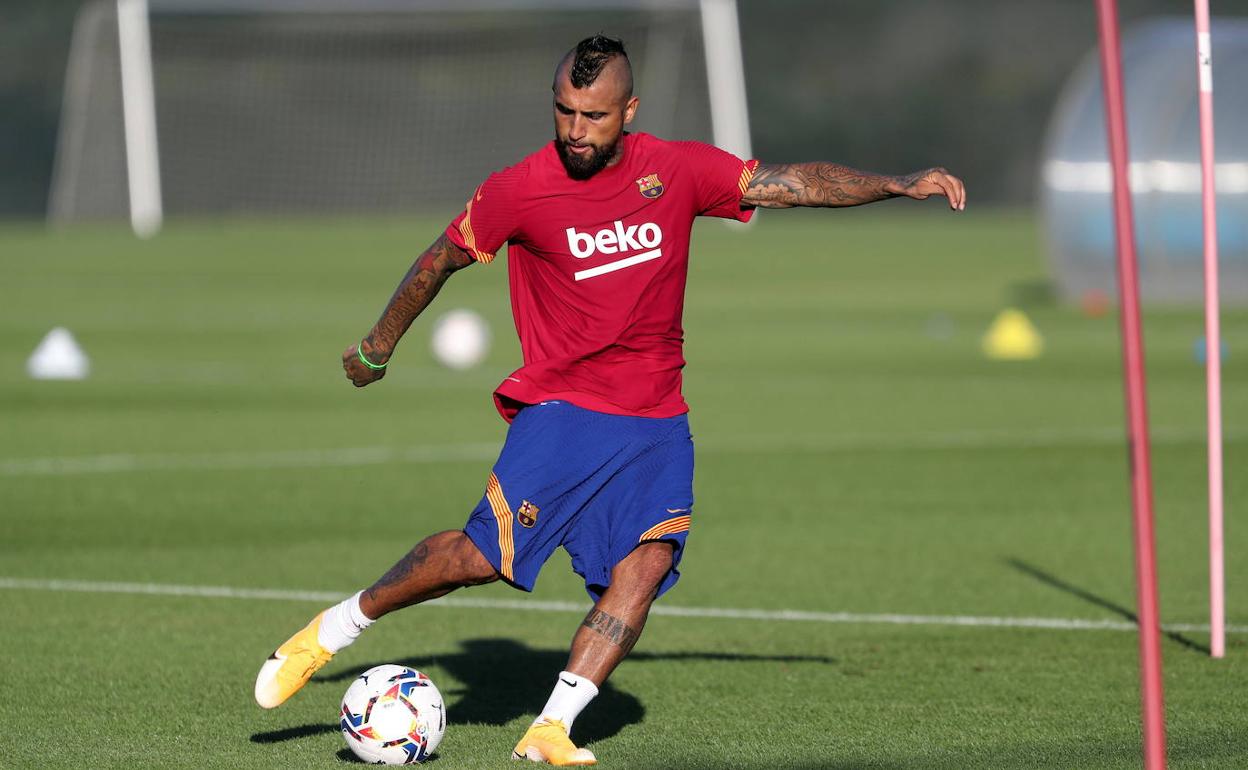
359, 351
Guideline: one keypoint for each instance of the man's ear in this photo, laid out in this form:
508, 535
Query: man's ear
630, 109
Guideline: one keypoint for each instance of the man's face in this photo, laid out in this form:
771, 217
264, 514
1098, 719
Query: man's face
589, 122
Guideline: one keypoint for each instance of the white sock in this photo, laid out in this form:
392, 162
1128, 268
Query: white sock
571, 695
342, 624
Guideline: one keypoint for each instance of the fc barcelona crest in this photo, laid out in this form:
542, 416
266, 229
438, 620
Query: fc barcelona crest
527, 514
650, 186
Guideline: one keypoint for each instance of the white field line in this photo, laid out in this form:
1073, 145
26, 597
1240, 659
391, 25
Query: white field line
224, 461
530, 605
487, 451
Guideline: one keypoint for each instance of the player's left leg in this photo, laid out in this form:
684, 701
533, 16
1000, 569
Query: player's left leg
604, 638
614, 625
626, 541
627, 545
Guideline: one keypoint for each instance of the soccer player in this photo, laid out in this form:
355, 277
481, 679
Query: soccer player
598, 457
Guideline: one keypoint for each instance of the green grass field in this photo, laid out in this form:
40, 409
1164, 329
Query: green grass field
857, 454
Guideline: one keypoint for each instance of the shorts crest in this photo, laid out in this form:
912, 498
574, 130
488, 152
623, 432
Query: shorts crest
526, 514
650, 186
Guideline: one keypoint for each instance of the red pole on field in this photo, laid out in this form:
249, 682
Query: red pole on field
1137, 408
1213, 342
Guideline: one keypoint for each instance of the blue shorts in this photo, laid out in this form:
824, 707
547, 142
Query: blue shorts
596, 484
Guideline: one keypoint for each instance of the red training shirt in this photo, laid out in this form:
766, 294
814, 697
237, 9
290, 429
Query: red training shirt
597, 269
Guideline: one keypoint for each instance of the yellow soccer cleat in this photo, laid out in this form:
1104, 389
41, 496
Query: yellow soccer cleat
548, 741
291, 666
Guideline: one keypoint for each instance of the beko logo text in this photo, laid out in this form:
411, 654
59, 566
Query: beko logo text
614, 239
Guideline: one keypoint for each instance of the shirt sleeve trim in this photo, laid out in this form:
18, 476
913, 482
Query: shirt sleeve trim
747, 173
465, 229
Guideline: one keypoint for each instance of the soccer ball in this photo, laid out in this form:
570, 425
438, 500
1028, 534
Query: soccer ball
393, 715
461, 338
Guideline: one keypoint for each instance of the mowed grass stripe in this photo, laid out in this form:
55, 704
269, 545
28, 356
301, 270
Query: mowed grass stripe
485, 451
527, 605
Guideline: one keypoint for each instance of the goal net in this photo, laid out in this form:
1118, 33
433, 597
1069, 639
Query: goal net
316, 106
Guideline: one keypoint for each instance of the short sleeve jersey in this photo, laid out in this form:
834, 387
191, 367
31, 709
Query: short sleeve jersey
597, 269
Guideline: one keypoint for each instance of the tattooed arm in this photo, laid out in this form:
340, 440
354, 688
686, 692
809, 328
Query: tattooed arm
784, 185
415, 292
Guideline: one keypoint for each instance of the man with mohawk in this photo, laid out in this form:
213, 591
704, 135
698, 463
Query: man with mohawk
598, 458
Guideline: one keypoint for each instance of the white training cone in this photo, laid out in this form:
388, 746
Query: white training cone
58, 357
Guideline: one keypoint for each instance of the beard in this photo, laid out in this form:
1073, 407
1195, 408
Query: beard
583, 167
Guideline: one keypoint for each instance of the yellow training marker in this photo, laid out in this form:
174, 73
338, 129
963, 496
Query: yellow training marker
1011, 337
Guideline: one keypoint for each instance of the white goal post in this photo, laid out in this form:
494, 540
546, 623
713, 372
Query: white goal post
354, 106
138, 101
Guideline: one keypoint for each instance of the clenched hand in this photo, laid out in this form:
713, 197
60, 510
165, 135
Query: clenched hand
359, 374
932, 181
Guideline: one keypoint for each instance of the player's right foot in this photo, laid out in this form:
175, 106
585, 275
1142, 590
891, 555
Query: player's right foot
291, 666
548, 741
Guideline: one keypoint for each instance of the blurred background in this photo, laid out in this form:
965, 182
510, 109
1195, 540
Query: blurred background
970, 84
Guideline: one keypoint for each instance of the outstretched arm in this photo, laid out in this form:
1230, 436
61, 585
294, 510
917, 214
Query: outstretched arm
784, 185
415, 292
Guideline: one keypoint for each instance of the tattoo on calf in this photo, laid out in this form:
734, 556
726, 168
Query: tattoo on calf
400, 571
615, 630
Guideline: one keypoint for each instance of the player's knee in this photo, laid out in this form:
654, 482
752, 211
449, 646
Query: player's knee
645, 568
474, 569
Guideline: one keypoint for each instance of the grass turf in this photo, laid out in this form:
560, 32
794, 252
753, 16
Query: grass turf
856, 453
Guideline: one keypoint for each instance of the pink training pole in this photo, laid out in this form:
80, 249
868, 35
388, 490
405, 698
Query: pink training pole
1137, 410
1213, 342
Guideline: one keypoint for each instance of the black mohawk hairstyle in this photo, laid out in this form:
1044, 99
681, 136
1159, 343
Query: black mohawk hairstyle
592, 54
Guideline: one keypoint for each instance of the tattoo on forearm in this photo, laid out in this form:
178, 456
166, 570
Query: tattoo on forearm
402, 570
782, 185
615, 630
415, 292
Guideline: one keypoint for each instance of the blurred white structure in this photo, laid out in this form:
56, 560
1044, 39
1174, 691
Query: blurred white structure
460, 339
1159, 63
192, 107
